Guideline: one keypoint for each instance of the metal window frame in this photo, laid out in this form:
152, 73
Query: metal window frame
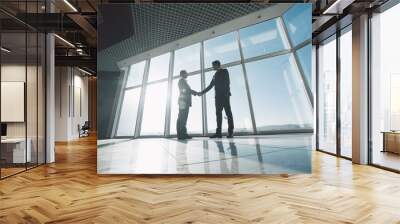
242, 61
370, 159
246, 81
203, 86
141, 99
167, 120
286, 38
120, 101
339, 32
32, 164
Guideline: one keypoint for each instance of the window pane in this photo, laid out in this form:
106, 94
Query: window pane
127, 119
187, 58
154, 109
224, 48
159, 67
194, 122
385, 87
262, 38
298, 23
327, 96
239, 103
278, 95
346, 93
136, 74
304, 56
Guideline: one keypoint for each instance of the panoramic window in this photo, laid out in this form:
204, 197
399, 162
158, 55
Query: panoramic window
278, 95
385, 88
159, 67
327, 95
127, 120
187, 58
298, 23
304, 57
346, 93
239, 103
195, 119
135, 74
224, 48
262, 38
154, 109
276, 87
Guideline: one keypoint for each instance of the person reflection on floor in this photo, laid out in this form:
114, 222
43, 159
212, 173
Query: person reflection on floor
223, 160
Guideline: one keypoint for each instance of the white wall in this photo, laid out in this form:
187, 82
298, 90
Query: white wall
70, 83
34, 125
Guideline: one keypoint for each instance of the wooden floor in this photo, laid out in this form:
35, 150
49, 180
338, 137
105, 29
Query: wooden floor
70, 191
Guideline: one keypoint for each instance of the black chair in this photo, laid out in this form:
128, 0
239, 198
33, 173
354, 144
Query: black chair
84, 130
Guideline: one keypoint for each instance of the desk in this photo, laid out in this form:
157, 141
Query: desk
13, 150
391, 142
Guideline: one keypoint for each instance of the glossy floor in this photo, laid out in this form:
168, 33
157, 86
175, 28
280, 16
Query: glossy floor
387, 159
274, 154
70, 191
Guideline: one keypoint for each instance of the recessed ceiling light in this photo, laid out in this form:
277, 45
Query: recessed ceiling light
84, 71
64, 40
70, 5
5, 50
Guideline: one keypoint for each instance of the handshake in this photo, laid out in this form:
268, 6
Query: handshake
197, 93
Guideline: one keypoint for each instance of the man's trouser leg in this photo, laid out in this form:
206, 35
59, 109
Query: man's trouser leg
218, 112
181, 122
228, 112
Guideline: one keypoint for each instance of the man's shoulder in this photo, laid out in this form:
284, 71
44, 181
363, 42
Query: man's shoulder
223, 70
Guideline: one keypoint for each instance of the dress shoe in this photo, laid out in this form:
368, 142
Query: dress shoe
216, 136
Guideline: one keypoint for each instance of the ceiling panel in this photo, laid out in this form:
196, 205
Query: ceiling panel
154, 25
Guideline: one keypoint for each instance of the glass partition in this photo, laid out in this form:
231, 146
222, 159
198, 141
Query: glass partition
297, 20
262, 38
22, 88
187, 58
278, 95
268, 93
16, 150
136, 73
159, 67
346, 93
224, 48
130, 106
32, 98
155, 102
327, 95
305, 61
385, 89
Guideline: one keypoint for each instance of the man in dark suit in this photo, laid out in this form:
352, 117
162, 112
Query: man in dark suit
184, 102
221, 84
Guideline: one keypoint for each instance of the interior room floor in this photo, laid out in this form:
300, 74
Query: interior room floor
273, 154
387, 159
70, 191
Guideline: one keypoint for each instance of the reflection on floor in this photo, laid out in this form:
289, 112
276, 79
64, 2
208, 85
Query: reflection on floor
274, 154
386, 159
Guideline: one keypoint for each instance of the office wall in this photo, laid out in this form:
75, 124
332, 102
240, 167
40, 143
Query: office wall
15, 72
71, 102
